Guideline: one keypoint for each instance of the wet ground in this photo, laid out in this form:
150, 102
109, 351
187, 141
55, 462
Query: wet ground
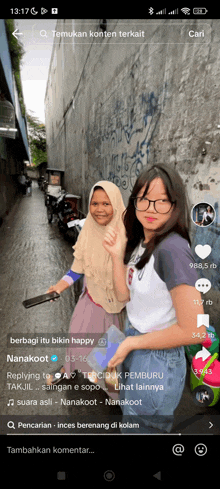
34, 255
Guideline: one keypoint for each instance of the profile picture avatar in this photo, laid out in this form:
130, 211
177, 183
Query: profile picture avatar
203, 214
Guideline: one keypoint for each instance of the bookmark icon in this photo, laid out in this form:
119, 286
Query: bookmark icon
202, 320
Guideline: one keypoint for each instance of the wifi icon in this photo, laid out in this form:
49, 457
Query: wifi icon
185, 10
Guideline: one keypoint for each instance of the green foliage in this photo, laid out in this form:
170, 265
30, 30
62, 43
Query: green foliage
37, 139
36, 130
17, 52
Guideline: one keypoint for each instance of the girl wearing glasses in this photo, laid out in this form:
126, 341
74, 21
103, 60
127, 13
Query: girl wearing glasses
152, 273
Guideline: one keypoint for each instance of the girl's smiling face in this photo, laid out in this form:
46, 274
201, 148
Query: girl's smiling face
101, 208
150, 219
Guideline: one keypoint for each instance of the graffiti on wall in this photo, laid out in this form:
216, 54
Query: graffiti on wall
119, 140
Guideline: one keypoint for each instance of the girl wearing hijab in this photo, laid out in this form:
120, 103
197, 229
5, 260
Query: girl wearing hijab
97, 308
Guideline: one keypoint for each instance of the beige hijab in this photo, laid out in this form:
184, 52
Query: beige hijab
90, 256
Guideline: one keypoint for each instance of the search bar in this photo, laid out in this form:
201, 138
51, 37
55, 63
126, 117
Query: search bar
146, 33
28, 424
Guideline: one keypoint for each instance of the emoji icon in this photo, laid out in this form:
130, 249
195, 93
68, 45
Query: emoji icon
200, 449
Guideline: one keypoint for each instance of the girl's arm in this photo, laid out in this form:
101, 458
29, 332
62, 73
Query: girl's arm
113, 244
119, 279
65, 282
182, 333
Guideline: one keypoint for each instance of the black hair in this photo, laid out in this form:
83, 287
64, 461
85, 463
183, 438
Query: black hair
97, 187
179, 221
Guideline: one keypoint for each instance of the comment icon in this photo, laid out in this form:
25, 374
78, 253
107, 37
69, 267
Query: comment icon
58, 375
203, 285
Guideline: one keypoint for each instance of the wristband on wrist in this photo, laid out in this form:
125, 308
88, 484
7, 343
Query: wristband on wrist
71, 277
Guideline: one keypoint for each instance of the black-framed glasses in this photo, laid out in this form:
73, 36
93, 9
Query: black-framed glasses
162, 206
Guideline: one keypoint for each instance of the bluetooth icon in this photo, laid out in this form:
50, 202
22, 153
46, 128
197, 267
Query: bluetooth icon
151, 10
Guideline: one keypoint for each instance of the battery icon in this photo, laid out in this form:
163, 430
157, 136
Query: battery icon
200, 11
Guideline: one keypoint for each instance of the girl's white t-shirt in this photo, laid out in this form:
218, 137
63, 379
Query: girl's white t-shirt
150, 307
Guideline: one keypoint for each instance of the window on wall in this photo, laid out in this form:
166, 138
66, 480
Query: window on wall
7, 119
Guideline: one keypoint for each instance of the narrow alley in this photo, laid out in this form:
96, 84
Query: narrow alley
34, 255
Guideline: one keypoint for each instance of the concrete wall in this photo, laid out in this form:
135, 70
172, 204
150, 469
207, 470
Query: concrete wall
113, 107
13, 152
11, 165
7, 73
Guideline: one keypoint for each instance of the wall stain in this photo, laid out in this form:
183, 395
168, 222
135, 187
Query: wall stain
120, 144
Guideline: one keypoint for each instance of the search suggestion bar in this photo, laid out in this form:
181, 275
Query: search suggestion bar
149, 33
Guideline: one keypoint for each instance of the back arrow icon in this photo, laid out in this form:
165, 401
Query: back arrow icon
15, 33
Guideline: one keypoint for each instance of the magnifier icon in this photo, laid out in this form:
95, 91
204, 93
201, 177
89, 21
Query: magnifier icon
11, 424
43, 33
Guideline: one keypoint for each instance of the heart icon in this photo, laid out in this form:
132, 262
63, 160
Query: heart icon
203, 251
